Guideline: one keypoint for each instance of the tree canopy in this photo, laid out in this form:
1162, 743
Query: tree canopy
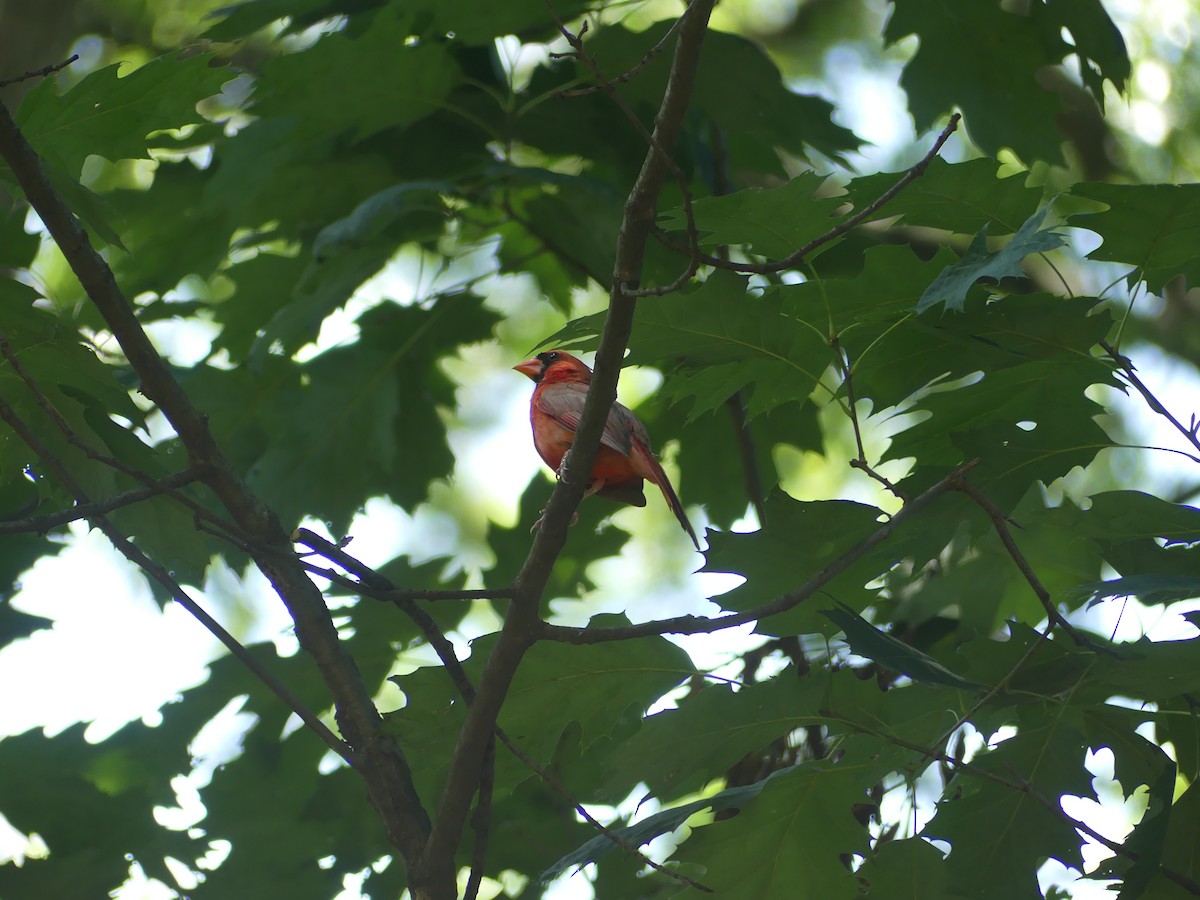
887, 382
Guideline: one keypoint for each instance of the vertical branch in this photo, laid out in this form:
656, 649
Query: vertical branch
522, 625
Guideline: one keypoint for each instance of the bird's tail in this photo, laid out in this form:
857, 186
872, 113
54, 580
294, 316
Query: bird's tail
673, 500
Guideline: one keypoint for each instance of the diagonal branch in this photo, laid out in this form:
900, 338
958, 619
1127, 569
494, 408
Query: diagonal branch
794, 259
1000, 523
380, 761
42, 524
134, 554
659, 149
43, 72
703, 625
522, 623
1125, 366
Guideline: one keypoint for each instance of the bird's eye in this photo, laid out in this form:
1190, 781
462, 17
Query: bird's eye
549, 358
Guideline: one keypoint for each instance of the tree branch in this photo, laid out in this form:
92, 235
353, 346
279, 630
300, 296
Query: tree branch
702, 625
1000, 523
1125, 367
43, 72
794, 259
384, 769
658, 149
521, 624
42, 524
134, 554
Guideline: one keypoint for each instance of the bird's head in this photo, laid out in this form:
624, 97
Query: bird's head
555, 366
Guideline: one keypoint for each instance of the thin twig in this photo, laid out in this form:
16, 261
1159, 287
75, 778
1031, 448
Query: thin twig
1000, 523
43, 72
842, 359
371, 584
134, 554
1000, 685
748, 453
481, 820
42, 524
736, 404
1125, 366
794, 259
630, 287
631, 73
64, 427
704, 625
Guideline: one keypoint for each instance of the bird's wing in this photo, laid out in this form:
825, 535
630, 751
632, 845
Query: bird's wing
563, 402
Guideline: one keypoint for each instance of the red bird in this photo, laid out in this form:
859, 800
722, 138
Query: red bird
624, 458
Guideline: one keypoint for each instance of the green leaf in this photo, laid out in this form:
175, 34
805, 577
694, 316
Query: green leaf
960, 197
910, 869
868, 641
678, 751
1028, 422
112, 116
472, 23
1097, 41
384, 212
355, 422
773, 222
976, 55
790, 841
1000, 835
601, 687
951, 286
244, 18
659, 823
811, 536
726, 339
756, 111
1147, 588
395, 82
1152, 227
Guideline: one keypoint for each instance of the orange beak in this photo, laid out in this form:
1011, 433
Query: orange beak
531, 367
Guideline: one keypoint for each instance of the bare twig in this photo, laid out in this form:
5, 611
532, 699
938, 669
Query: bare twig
997, 687
657, 148
633, 72
736, 404
371, 584
1000, 523
703, 625
43, 72
1125, 367
481, 820
134, 554
42, 524
842, 359
794, 259
751, 475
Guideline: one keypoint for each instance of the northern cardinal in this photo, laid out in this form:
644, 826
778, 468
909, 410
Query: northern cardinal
624, 458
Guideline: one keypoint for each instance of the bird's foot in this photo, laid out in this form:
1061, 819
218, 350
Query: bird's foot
542, 515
